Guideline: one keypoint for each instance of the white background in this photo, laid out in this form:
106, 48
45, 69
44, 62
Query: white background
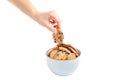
92, 26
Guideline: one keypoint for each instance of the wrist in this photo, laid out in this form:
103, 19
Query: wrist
35, 15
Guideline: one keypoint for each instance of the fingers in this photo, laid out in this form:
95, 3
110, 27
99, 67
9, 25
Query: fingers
51, 28
55, 17
54, 23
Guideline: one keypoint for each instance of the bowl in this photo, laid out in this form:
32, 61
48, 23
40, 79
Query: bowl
62, 67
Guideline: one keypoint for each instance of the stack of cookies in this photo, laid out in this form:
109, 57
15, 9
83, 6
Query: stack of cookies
62, 51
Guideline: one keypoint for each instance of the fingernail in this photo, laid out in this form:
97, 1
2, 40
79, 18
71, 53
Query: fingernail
56, 26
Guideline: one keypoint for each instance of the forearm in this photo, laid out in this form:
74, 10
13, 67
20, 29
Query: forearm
25, 6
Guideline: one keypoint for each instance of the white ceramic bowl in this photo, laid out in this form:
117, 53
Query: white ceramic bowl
62, 67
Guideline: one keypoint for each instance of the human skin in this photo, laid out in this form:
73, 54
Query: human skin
46, 19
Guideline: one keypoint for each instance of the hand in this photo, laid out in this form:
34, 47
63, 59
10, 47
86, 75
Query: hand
45, 18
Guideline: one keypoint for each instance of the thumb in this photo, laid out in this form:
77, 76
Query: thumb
51, 28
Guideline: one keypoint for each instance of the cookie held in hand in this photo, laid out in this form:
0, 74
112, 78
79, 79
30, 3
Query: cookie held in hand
58, 37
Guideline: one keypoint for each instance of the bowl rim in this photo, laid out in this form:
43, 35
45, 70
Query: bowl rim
61, 60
